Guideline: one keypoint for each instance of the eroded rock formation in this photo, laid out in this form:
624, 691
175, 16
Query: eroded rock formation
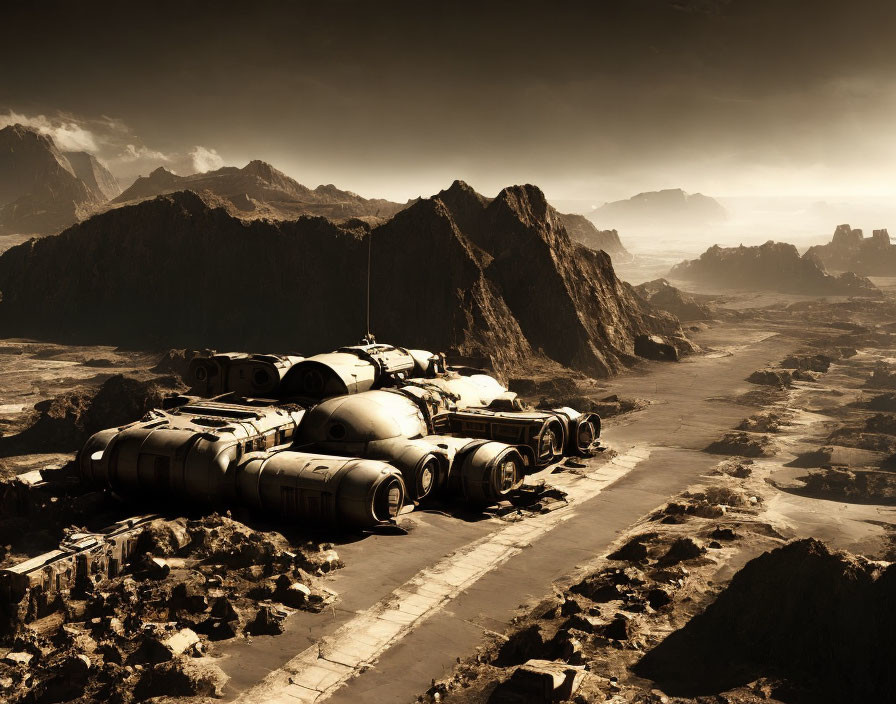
849, 250
773, 266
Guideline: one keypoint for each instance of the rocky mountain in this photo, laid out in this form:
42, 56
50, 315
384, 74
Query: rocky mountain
773, 266
581, 229
258, 190
671, 208
496, 281
92, 172
850, 250
41, 192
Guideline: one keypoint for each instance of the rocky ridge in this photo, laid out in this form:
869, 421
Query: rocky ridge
495, 281
773, 266
258, 190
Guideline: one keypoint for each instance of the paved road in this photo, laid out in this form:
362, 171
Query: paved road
461, 579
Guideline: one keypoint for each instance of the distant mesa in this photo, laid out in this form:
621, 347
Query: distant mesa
849, 250
582, 230
258, 190
44, 190
773, 266
670, 208
496, 281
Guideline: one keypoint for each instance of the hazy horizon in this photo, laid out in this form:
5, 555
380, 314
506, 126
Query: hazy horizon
590, 101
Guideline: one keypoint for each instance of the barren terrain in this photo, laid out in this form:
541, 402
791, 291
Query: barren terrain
703, 467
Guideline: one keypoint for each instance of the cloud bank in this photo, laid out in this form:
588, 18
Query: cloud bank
115, 144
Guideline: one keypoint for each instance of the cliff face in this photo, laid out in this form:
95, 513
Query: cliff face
773, 266
258, 190
849, 250
94, 175
496, 280
40, 191
582, 230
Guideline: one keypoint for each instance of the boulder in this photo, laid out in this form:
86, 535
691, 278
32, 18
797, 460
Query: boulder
656, 348
540, 682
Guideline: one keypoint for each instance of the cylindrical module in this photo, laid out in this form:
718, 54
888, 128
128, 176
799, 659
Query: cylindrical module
321, 489
486, 472
154, 459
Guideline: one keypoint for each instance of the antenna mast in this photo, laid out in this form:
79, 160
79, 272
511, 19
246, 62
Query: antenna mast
369, 247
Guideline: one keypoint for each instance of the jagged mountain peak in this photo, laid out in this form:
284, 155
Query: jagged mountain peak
40, 189
161, 173
533, 293
528, 202
259, 190
262, 169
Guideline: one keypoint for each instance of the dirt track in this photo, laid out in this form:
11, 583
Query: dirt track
687, 411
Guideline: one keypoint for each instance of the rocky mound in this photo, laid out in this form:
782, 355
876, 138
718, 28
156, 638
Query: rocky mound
581, 229
65, 422
41, 191
258, 190
663, 209
849, 250
663, 295
497, 280
821, 620
773, 266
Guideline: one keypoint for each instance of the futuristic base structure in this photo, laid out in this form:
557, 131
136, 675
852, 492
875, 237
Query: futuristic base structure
346, 438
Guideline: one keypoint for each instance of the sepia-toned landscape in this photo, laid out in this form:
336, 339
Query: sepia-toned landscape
386, 353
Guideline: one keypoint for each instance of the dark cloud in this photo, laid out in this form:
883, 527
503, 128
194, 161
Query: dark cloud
398, 98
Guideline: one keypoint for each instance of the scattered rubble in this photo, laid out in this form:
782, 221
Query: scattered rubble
603, 622
142, 631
